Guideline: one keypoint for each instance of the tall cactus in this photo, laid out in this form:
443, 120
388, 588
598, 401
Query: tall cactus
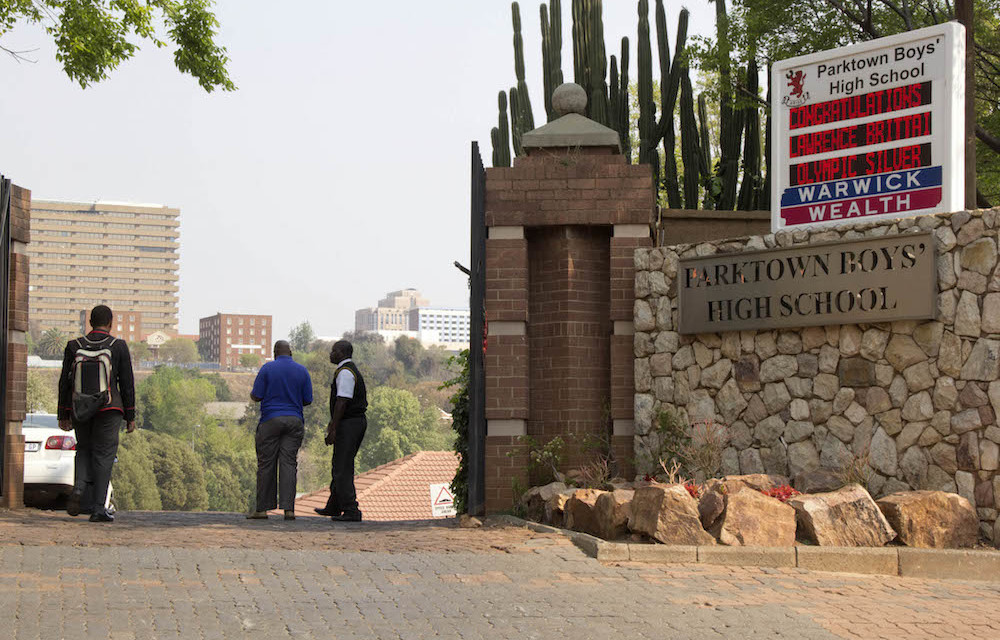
730, 120
597, 63
751, 183
552, 75
705, 157
648, 138
690, 144
522, 105
516, 127
501, 135
670, 71
621, 119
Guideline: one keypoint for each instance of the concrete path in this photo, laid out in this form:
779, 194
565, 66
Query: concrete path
190, 576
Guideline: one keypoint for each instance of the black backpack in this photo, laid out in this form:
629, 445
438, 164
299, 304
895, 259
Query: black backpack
92, 375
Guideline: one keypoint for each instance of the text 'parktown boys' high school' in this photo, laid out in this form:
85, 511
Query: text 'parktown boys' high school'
843, 262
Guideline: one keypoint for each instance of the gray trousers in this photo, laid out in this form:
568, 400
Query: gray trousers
278, 441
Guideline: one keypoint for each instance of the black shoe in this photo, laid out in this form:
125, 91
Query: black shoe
326, 512
102, 516
347, 517
73, 502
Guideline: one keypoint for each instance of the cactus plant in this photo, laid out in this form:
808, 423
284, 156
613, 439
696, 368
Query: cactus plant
690, 144
501, 135
730, 119
618, 101
520, 102
751, 183
551, 52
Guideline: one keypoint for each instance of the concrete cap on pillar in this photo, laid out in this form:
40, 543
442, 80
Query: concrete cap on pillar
572, 129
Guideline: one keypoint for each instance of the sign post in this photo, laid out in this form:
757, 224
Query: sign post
870, 131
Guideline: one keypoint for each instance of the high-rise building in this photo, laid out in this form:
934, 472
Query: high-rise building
224, 337
391, 314
121, 255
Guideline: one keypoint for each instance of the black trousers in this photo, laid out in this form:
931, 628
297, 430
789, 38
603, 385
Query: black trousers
278, 441
346, 442
96, 448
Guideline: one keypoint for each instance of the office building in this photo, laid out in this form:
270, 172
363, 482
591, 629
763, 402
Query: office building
121, 255
224, 337
391, 314
448, 328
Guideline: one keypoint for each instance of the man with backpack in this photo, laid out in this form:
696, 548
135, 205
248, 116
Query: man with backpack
96, 393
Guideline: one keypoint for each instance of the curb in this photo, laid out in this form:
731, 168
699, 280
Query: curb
906, 562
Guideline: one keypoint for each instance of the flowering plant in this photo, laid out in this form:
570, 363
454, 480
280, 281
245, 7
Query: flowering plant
782, 493
693, 489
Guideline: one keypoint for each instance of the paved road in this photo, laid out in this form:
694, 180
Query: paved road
510, 584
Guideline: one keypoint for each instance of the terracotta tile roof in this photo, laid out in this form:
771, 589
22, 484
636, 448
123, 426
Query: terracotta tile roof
398, 490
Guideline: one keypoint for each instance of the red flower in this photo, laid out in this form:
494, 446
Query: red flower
782, 493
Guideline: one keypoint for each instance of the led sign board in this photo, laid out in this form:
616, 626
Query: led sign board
870, 131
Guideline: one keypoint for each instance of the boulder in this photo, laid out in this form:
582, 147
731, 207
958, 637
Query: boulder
535, 498
847, 517
669, 514
931, 519
753, 519
710, 507
555, 508
818, 481
733, 484
581, 513
611, 511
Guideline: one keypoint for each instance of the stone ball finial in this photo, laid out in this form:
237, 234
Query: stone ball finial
569, 97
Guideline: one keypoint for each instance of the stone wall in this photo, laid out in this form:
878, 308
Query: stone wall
916, 401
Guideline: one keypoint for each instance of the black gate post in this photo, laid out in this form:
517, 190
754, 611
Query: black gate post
477, 375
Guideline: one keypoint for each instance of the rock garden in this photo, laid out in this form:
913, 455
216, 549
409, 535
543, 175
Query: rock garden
756, 510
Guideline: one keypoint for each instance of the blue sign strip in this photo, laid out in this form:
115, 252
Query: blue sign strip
862, 186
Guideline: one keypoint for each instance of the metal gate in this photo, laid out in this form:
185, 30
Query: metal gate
477, 343
4, 299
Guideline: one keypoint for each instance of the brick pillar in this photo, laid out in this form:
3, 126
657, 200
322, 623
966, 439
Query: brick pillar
17, 350
563, 223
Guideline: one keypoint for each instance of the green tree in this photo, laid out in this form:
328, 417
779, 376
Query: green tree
171, 402
301, 337
134, 481
230, 463
250, 360
93, 37
399, 426
41, 394
52, 344
179, 350
409, 352
140, 352
180, 476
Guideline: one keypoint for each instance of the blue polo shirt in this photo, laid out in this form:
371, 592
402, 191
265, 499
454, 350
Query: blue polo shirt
284, 386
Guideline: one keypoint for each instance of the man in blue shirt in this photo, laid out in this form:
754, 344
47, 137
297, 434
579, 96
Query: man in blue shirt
282, 388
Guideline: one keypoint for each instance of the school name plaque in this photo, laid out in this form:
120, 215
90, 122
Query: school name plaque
853, 282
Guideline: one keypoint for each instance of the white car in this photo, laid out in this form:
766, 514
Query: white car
49, 454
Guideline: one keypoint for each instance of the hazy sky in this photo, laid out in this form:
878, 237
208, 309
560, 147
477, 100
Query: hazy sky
337, 172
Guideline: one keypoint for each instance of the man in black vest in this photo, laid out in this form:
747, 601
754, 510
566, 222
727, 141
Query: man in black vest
348, 404
96, 436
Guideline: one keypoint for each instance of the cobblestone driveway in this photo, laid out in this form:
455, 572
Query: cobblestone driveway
220, 577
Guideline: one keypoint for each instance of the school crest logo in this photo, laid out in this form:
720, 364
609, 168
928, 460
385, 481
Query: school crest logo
798, 96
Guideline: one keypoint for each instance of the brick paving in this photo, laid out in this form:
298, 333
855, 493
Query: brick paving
214, 576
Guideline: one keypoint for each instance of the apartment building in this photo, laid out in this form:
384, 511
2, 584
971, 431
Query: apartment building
126, 325
224, 337
118, 254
